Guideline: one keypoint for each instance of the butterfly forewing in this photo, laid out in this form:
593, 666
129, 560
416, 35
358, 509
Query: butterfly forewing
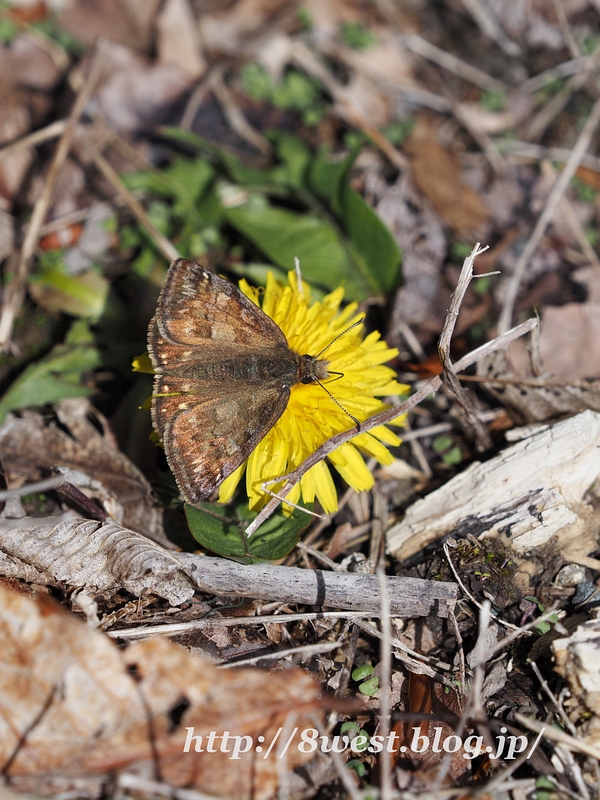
199, 309
224, 372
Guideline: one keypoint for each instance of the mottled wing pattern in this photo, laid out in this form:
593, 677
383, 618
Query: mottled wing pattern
211, 420
196, 308
208, 432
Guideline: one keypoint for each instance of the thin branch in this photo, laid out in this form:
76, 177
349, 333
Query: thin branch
483, 439
51, 131
489, 26
162, 243
385, 662
387, 416
14, 292
582, 144
453, 64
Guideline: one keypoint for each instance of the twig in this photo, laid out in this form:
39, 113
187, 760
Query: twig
340, 766
14, 292
566, 29
536, 152
556, 735
38, 486
554, 700
306, 60
483, 439
139, 784
176, 628
387, 416
238, 122
582, 144
136, 208
385, 661
36, 137
453, 64
490, 26
353, 591
564, 70
305, 651
536, 128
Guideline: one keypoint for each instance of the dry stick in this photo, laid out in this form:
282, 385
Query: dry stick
51, 131
176, 628
566, 29
536, 152
489, 25
237, 121
554, 700
385, 661
564, 70
307, 60
136, 208
473, 707
483, 439
387, 416
14, 292
582, 144
542, 120
453, 64
556, 735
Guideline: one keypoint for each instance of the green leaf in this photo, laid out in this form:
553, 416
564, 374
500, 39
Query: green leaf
356, 36
274, 539
375, 252
57, 376
369, 688
364, 671
81, 295
373, 241
282, 235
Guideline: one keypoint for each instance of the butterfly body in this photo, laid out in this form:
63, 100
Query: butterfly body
224, 371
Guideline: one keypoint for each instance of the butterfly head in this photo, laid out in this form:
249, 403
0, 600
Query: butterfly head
312, 369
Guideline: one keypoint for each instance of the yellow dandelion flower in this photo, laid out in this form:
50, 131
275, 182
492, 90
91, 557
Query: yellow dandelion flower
312, 416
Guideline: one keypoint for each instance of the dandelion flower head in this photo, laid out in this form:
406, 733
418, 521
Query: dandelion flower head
312, 416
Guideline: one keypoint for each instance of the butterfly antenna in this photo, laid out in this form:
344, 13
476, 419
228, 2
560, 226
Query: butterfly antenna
343, 333
345, 410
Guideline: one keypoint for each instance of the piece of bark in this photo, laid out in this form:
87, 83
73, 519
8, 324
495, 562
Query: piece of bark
527, 494
105, 558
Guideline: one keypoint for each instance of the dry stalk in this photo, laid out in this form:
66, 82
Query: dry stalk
482, 436
162, 243
14, 292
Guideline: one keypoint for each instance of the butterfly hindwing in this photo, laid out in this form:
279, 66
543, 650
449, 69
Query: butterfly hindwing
207, 433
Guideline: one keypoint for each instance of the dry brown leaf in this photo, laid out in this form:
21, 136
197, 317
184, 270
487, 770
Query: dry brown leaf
72, 704
32, 446
126, 21
136, 93
419, 233
535, 399
437, 174
178, 39
570, 341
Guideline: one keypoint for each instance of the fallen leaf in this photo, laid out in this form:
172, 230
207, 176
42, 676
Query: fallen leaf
73, 704
33, 445
437, 174
178, 40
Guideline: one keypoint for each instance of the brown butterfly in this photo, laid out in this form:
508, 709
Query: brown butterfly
223, 376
